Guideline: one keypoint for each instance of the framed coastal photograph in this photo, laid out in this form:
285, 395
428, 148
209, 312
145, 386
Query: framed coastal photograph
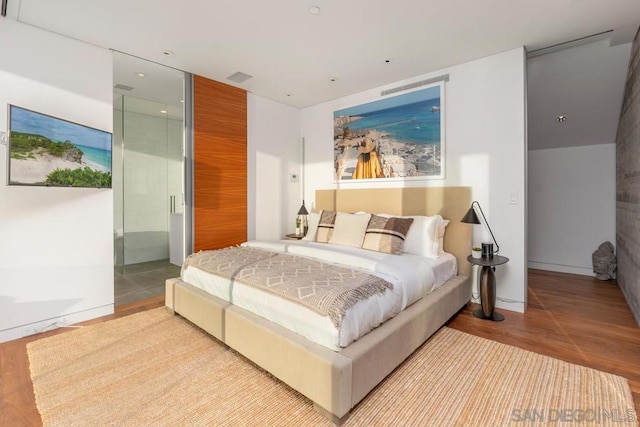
48, 151
395, 138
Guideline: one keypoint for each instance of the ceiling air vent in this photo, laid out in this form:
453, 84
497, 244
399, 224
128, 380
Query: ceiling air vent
239, 77
123, 87
442, 78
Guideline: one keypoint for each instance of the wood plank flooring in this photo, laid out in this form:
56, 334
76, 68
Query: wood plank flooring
574, 318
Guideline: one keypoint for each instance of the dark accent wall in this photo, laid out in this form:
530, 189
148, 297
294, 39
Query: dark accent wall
220, 164
628, 185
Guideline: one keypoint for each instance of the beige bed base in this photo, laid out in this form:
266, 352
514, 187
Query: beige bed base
336, 381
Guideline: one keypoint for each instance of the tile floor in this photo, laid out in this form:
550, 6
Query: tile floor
140, 281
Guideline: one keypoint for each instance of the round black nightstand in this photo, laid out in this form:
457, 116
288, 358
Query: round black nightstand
488, 286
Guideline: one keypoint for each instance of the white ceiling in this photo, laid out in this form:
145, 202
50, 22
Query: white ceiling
585, 84
293, 55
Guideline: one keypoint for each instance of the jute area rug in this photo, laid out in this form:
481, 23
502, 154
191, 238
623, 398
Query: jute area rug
156, 369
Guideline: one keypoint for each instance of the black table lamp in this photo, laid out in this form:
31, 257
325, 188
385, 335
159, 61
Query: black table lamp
302, 216
472, 218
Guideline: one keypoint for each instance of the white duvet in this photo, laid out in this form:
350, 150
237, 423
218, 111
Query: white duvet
412, 277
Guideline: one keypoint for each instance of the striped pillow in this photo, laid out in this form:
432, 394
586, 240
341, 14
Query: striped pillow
386, 234
325, 226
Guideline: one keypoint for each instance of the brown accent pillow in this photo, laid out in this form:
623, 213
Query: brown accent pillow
386, 234
325, 226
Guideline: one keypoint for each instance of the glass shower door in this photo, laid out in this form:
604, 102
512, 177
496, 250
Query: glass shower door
150, 183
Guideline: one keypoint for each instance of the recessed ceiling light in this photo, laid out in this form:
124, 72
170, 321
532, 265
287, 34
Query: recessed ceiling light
163, 111
333, 79
167, 53
289, 94
388, 61
561, 119
139, 74
314, 10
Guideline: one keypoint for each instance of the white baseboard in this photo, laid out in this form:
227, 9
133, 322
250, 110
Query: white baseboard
516, 306
54, 323
561, 268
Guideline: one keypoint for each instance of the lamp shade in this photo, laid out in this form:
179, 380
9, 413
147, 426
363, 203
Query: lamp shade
471, 217
303, 210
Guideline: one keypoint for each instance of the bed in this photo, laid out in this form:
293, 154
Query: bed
333, 377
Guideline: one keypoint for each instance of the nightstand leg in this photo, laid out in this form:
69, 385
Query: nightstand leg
488, 296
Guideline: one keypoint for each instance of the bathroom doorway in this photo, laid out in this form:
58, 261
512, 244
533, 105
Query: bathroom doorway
148, 176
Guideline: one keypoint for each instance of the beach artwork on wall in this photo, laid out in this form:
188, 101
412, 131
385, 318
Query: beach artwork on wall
48, 151
395, 138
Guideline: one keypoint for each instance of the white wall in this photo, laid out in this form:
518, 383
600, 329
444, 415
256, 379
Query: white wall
485, 149
56, 250
572, 206
274, 153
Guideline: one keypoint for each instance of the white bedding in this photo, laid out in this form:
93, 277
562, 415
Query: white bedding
412, 277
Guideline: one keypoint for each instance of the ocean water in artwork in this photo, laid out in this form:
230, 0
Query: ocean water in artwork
395, 137
413, 117
94, 143
46, 150
26, 121
418, 122
99, 159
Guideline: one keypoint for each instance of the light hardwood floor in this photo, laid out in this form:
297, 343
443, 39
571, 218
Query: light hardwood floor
574, 318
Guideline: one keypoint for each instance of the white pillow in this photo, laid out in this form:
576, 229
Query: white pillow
441, 230
422, 237
350, 229
313, 220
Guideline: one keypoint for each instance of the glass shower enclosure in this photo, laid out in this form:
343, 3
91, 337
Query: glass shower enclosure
147, 181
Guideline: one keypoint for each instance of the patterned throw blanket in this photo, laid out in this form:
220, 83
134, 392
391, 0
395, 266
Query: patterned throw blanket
324, 288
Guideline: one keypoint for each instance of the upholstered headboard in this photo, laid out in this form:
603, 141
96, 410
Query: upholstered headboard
449, 202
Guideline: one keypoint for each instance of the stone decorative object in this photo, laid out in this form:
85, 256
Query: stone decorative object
604, 262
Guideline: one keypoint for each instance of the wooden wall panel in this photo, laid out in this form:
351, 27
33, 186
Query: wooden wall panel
220, 164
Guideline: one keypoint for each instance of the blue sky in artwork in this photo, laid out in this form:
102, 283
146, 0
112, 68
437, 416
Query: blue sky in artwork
383, 104
27, 121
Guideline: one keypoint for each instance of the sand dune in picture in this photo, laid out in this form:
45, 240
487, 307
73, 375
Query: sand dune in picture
31, 171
